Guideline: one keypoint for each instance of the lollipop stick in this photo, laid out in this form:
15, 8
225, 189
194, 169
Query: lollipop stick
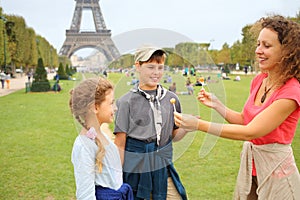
201, 81
172, 101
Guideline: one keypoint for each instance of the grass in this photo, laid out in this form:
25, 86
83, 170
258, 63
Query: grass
38, 131
37, 135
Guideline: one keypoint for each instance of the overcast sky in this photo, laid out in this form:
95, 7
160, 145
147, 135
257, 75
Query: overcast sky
215, 21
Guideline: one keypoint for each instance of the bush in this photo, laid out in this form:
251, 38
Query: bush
61, 72
40, 82
40, 86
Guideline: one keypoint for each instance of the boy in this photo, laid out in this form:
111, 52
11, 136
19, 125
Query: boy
145, 129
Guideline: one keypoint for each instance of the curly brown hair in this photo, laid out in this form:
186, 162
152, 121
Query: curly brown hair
289, 37
92, 90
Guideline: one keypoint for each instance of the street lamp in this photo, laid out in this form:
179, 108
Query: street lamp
51, 59
4, 39
7, 26
211, 41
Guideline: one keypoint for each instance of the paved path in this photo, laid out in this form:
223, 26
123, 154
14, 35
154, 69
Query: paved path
18, 83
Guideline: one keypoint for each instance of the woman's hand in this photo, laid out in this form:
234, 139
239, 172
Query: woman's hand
208, 99
187, 122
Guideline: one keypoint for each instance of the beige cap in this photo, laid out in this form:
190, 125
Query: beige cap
145, 52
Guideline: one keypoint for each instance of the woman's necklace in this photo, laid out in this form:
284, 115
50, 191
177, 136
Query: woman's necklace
263, 98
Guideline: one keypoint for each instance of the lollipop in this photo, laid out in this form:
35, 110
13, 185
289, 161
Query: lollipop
172, 101
201, 80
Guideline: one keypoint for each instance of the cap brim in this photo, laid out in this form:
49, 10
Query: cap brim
143, 54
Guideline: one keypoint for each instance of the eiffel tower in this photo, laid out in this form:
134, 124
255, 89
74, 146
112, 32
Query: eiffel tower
99, 39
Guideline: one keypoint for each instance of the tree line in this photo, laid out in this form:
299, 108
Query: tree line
241, 53
23, 47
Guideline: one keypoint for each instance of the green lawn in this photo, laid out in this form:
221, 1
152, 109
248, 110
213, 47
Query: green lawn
38, 131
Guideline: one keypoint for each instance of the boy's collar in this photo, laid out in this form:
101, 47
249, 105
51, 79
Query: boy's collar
161, 91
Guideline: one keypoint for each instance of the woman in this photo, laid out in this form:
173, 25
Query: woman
269, 118
96, 159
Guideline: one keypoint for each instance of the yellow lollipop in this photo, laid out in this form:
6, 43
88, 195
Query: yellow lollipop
201, 80
172, 101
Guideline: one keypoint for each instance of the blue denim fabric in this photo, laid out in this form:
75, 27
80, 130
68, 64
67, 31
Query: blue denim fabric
146, 169
124, 193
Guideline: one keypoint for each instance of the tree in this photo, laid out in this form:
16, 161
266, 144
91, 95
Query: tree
174, 60
68, 71
40, 82
23, 46
188, 51
31, 55
62, 73
224, 55
62, 59
125, 61
248, 44
236, 53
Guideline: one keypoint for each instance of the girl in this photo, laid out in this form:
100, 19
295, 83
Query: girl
96, 159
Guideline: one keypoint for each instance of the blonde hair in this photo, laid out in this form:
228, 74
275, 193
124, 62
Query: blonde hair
90, 91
